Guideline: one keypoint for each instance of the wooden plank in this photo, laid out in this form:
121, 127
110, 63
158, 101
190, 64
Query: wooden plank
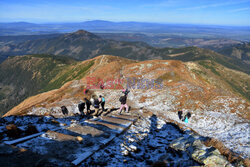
89, 153
110, 126
85, 130
115, 120
126, 117
16, 141
59, 136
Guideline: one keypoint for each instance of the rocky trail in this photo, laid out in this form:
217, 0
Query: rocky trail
130, 139
66, 140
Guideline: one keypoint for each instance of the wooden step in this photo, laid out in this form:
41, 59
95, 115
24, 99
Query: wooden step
116, 120
23, 139
126, 117
85, 130
59, 136
110, 126
88, 152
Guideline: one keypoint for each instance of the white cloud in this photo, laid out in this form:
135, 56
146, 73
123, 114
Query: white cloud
240, 10
214, 5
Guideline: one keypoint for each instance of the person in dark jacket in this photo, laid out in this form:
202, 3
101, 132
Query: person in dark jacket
102, 101
81, 107
123, 100
64, 110
96, 106
180, 114
88, 104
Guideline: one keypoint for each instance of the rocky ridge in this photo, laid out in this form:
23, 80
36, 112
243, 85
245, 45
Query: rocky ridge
216, 112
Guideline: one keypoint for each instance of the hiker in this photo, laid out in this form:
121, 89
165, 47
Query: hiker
123, 100
186, 117
180, 114
85, 91
102, 86
102, 101
88, 104
81, 107
64, 110
96, 106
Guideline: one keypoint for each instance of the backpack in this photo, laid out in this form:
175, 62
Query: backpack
96, 103
103, 100
121, 99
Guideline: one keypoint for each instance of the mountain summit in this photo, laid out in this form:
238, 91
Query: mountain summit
83, 35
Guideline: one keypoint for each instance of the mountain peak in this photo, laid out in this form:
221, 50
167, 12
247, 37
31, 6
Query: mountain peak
82, 34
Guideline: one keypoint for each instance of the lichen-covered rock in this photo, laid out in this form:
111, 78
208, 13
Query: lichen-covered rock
182, 143
194, 146
216, 160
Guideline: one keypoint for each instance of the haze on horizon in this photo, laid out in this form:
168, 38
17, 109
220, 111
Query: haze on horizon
212, 12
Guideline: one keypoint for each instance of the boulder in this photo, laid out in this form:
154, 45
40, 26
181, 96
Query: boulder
182, 143
159, 164
246, 162
31, 130
216, 160
133, 148
7, 149
231, 156
125, 152
79, 139
193, 145
13, 131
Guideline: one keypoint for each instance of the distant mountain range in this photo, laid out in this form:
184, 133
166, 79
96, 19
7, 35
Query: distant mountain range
183, 30
82, 45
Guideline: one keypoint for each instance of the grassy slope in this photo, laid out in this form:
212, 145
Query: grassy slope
236, 81
24, 76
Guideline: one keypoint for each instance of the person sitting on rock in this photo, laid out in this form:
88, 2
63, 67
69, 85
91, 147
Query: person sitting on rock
180, 114
102, 101
88, 104
81, 107
96, 106
123, 100
64, 110
186, 117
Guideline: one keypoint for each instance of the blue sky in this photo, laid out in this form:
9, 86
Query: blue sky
215, 12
